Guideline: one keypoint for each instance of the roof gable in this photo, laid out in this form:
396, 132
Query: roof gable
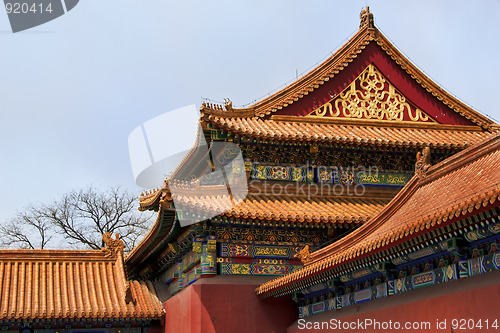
371, 96
373, 74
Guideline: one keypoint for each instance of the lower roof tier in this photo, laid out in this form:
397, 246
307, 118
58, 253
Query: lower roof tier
292, 209
265, 209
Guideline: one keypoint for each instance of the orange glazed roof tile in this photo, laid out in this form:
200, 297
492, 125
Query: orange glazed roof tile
379, 135
71, 284
315, 210
458, 185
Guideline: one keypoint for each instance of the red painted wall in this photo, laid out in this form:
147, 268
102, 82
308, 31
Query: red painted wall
476, 298
227, 304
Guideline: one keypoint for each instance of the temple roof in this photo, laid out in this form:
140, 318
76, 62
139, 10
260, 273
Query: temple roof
367, 65
371, 47
457, 186
72, 284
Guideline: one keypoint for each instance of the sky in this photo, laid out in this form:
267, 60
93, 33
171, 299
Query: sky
74, 88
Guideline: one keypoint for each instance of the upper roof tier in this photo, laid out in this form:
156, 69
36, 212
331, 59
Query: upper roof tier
330, 132
367, 82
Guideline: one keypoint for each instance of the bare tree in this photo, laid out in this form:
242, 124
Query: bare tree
28, 230
83, 216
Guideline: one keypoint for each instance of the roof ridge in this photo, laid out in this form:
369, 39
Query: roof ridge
462, 158
52, 254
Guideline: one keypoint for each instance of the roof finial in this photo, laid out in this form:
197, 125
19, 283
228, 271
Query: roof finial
366, 18
228, 105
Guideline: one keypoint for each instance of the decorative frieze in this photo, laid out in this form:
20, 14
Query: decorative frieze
379, 268
447, 245
479, 265
258, 251
329, 175
372, 97
435, 276
228, 268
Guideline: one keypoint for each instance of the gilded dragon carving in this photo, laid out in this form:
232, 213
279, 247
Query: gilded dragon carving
372, 97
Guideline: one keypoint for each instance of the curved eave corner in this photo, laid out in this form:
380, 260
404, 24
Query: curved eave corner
158, 200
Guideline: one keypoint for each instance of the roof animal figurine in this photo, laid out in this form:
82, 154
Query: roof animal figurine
113, 246
228, 104
366, 18
304, 255
423, 162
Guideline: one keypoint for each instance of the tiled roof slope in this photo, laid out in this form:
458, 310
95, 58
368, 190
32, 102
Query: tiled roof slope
71, 284
374, 135
457, 186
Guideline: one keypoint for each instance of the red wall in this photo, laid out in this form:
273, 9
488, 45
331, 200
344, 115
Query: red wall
230, 305
476, 298
227, 304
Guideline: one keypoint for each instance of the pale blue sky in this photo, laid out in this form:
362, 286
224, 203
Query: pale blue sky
73, 89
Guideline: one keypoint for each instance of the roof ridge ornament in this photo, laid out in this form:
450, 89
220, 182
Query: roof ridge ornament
366, 18
113, 246
423, 163
304, 255
228, 105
